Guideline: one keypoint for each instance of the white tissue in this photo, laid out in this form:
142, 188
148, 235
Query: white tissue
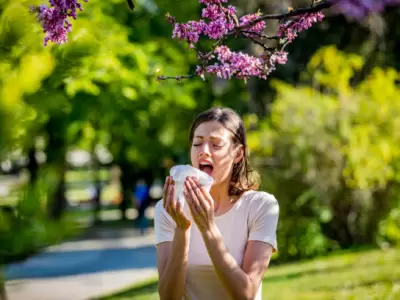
179, 174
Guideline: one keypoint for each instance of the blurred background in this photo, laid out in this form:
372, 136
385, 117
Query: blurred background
87, 136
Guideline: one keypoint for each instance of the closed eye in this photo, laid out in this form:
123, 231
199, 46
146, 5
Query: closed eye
215, 145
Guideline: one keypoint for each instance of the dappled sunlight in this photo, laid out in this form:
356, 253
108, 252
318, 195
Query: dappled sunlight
77, 262
368, 274
89, 131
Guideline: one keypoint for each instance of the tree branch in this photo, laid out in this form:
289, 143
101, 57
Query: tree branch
288, 34
258, 43
178, 78
264, 36
296, 12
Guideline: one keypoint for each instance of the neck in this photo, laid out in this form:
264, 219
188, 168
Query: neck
220, 194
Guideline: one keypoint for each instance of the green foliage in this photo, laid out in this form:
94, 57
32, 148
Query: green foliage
107, 59
329, 151
389, 229
353, 275
333, 154
99, 88
24, 64
25, 228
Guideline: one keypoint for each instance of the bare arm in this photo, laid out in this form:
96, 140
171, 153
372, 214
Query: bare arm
172, 256
172, 260
241, 282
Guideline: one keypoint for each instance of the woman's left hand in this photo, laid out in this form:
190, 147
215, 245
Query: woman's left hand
200, 204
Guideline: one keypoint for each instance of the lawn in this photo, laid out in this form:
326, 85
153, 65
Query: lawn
372, 274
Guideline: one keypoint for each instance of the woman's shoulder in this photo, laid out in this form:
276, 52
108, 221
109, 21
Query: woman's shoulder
159, 209
259, 197
261, 205
159, 205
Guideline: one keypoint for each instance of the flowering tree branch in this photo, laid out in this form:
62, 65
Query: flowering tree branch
219, 22
314, 7
55, 18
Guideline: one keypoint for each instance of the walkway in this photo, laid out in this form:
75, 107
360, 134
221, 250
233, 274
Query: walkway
80, 270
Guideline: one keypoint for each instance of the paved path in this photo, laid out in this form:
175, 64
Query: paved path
80, 270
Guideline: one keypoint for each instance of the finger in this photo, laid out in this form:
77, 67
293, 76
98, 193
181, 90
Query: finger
168, 199
191, 194
179, 211
200, 201
172, 196
173, 205
165, 191
192, 206
183, 220
207, 197
171, 202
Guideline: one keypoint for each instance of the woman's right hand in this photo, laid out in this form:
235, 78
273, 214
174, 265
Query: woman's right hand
173, 207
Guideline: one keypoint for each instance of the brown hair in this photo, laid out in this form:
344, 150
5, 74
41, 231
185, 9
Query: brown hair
243, 177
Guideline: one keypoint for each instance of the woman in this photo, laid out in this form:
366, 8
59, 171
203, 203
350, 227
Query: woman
220, 244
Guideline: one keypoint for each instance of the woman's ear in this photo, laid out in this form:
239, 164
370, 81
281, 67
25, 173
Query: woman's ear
239, 154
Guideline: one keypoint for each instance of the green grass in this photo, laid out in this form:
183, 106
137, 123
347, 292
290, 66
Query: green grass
372, 274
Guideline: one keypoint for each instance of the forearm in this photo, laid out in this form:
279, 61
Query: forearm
172, 280
235, 280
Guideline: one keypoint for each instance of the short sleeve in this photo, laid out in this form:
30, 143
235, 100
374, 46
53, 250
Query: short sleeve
263, 221
164, 225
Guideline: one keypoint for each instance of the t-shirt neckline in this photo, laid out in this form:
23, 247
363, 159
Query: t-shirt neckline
233, 207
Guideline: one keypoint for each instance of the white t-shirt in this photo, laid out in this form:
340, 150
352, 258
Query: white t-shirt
253, 217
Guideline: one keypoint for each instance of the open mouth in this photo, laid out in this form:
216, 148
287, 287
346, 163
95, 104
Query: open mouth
207, 168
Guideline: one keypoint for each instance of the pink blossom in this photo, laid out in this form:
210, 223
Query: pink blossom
54, 19
290, 29
200, 72
206, 2
211, 12
257, 28
238, 64
280, 57
218, 28
224, 54
231, 10
220, 23
189, 32
217, 21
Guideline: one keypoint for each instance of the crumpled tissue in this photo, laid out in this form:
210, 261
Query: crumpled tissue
179, 174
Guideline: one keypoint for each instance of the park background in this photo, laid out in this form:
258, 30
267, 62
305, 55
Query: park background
84, 126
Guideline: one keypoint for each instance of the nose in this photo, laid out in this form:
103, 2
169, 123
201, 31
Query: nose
204, 150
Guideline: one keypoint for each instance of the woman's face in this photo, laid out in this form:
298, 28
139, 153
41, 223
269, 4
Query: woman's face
213, 151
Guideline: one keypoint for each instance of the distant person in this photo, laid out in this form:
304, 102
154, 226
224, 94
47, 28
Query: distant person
141, 192
141, 195
220, 244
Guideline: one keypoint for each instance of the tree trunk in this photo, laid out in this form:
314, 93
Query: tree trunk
127, 182
98, 188
3, 294
56, 151
379, 210
362, 227
57, 200
33, 166
338, 229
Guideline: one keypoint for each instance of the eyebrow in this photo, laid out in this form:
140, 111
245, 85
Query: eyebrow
212, 137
